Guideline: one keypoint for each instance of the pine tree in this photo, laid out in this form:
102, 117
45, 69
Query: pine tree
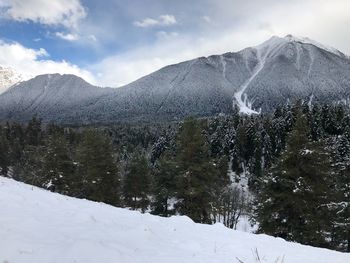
4, 153
58, 170
239, 149
341, 192
256, 165
292, 204
30, 168
97, 168
198, 174
341, 207
315, 123
33, 132
137, 183
164, 186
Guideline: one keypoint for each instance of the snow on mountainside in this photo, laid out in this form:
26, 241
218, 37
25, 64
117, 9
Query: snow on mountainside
37, 226
297, 68
50, 94
301, 57
306, 40
255, 79
8, 77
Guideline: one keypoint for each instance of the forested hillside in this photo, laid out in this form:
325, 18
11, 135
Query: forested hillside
289, 170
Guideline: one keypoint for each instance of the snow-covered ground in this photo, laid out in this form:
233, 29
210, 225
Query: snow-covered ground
37, 226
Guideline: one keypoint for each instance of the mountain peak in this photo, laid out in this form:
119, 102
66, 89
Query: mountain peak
304, 40
275, 42
8, 77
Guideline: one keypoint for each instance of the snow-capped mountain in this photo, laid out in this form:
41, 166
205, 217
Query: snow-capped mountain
8, 77
38, 226
291, 68
255, 79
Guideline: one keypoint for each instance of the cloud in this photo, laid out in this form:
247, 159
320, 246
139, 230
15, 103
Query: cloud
207, 19
115, 71
49, 12
92, 38
147, 22
163, 20
167, 20
68, 36
32, 62
163, 35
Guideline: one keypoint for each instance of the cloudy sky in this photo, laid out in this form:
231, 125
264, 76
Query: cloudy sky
113, 42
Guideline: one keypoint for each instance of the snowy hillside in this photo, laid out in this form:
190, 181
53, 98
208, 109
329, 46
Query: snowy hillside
37, 226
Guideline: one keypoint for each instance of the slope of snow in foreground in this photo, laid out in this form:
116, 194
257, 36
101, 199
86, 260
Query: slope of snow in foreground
37, 226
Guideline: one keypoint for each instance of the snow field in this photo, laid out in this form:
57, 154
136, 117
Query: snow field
37, 226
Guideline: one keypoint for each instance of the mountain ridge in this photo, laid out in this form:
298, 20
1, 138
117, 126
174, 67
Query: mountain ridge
256, 79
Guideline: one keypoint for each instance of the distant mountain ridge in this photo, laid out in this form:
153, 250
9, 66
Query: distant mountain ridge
255, 79
50, 96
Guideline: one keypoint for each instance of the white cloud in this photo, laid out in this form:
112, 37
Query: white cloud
163, 35
167, 20
68, 36
92, 38
147, 22
32, 62
48, 12
163, 20
207, 19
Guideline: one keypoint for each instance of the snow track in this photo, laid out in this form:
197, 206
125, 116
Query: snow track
312, 59
240, 97
223, 62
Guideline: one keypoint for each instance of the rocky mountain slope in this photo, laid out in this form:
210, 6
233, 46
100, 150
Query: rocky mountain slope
255, 79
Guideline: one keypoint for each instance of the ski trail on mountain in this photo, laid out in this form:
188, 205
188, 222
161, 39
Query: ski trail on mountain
240, 97
298, 54
312, 59
223, 63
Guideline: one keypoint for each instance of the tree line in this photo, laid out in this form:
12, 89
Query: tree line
297, 161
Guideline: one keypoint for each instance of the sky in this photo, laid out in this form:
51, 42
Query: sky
114, 42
